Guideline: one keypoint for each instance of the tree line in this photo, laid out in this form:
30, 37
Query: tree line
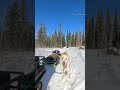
103, 31
58, 38
17, 32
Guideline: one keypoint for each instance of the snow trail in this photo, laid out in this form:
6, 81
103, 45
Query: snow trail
52, 80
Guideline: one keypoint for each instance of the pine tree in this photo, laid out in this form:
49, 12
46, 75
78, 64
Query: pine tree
44, 36
83, 38
63, 41
60, 35
19, 30
56, 39
108, 30
40, 36
73, 40
11, 25
115, 29
92, 33
100, 31
67, 39
87, 35
80, 38
76, 39
26, 28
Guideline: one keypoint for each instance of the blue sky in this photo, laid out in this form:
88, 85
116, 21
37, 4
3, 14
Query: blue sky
52, 13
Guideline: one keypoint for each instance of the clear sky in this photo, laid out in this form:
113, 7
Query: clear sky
69, 13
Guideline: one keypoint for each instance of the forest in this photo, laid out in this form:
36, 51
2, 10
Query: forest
103, 30
58, 38
17, 31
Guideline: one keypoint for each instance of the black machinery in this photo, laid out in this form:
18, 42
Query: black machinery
10, 80
30, 81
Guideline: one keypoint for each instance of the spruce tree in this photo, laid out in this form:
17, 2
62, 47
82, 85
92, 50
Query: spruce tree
73, 40
115, 29
100, 31
69, 39
44, 36
63, 41
11, 25
76, 39
56, 39
40, 36
87, 35
80, 38
92, 33
60, 35
108, 30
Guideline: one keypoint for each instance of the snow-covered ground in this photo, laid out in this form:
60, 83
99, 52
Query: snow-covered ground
103, 71
52, 80
17, 61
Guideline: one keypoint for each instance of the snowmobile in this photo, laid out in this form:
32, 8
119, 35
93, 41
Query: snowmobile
53, 59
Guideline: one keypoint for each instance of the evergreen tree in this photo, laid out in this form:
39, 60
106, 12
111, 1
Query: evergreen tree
80, 35
73, 40
92, 32
108, 30
115, 29
100, 31
69, 39
44, 36
83, 38
89, 34
56, 39
11, 25
76, 39
26, 28
19, 31
63, 41
86, 33
60, 35
40, 36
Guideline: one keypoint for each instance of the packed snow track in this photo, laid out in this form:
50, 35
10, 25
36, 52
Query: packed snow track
53, 78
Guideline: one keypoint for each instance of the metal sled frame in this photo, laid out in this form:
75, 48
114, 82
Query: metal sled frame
6, 81
39, 70
20, 81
